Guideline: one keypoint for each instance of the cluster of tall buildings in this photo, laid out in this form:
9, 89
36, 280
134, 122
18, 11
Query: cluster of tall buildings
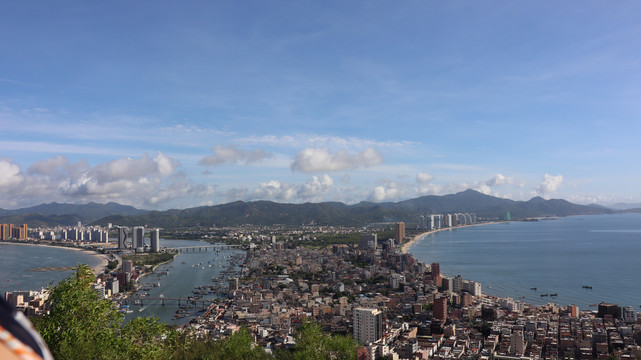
439, 221
10, 231
96, 234
138, 239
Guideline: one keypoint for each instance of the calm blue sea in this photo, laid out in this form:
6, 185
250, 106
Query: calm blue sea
554, 256
18, 261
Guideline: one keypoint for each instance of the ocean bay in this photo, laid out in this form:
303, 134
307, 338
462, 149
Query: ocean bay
18, 268
177, 278
558, 256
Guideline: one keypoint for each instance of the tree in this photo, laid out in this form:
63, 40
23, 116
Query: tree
239, 346
147, 338
82, 325
313, 343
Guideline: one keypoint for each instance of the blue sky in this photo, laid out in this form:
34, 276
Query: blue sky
169, 105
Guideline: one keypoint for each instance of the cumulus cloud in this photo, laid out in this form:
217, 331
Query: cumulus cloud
389, 191
316, 187
230, 154
424, 178
143, 181
549, 184
313, 189
275, 190
428, 189
320, 159
10, 174
499, 180
58, 167
487, 186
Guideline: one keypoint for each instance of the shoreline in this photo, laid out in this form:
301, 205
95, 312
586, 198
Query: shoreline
406, 246
98, 269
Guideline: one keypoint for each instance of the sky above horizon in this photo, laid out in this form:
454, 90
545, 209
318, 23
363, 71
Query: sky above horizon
164, 105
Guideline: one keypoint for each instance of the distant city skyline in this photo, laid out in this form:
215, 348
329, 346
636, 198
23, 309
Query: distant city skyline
162, 105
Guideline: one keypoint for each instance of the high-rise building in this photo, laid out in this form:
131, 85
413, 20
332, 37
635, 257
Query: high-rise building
138, 237
447, 283
574, 311
368, 325
400, 232
472, 287
155, 240
436, 271
609, 309
122, 238
517, 344
440, 309
629, 315
5, 231
458, 284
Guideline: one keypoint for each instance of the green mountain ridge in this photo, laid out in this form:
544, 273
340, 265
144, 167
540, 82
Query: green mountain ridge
339, 214
325, 213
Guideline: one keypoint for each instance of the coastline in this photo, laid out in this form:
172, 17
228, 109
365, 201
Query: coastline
102, 265
406, 246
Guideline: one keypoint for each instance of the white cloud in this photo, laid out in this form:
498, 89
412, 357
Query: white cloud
424, 178
389, 191
166, 165
10, 174
499, 180
320, 159
316, 187
232, 154
549, 184
58, 168
275, 190
487, 186
139, 182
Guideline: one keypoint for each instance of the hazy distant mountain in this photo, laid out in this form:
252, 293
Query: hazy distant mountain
625, 206
86, 213
333, 213
35, 220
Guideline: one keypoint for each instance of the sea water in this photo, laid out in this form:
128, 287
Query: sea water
558, 256
21, 265
177, 278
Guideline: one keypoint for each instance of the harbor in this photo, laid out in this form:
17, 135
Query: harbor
180, 290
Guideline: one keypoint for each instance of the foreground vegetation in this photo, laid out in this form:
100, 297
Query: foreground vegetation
150, 258
81, 325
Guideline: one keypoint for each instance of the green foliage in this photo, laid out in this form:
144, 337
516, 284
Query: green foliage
81, 325
313, 343
150, 258
147, 338
113, 264
239, 346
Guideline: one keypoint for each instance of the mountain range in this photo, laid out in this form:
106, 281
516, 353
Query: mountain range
325, 213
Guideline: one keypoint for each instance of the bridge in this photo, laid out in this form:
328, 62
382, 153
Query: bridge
207, 247
141, 300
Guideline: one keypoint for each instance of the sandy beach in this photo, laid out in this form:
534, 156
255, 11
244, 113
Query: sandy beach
406, 246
